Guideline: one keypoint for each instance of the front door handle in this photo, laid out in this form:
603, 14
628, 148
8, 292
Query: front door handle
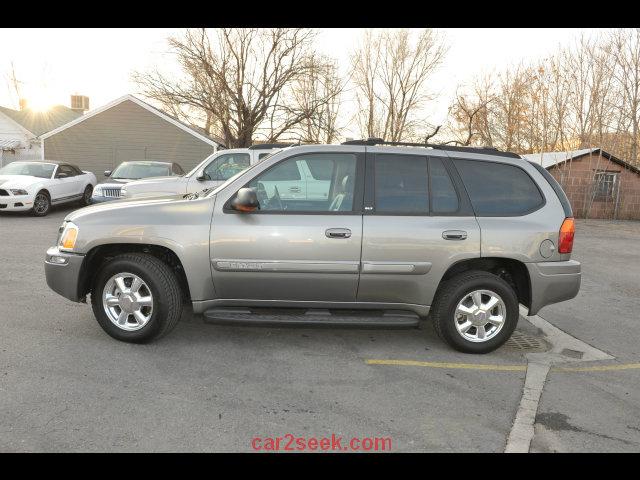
454, 235
338, 233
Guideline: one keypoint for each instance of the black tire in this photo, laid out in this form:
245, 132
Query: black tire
42, 209
163, 284
452, 291
86, 196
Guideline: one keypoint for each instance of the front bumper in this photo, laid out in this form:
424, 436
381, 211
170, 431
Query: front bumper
62, 270
16, 203
101, 199
553, 282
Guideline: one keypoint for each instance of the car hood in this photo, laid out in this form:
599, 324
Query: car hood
125, 207
112, 184
116, 182
154, 180
18, 181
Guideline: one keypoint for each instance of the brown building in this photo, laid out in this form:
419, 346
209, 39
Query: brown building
598, 184
126, 129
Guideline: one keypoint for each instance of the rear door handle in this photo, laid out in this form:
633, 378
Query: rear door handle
337, 233
294, 189
454, 235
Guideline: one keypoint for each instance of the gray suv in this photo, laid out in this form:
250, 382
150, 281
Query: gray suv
363, 233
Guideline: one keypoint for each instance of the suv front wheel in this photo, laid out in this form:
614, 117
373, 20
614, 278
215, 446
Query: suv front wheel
475, 312
136, 298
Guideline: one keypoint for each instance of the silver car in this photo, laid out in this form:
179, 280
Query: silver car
131, 171
363, 233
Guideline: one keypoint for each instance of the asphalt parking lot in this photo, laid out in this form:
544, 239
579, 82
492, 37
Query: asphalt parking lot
67, 386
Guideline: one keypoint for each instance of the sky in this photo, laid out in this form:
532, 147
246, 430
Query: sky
52, 64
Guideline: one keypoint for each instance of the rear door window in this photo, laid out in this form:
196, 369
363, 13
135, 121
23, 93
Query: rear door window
401, 184
444, 198
498, 189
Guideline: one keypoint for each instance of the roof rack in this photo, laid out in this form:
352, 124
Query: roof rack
267, 146
436, 146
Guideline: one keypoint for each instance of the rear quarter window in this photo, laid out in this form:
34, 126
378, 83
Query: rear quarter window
498, 189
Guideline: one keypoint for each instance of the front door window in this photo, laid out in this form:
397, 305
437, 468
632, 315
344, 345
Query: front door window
316, 182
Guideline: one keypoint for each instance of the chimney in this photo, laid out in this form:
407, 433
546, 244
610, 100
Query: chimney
79, 103
23, 103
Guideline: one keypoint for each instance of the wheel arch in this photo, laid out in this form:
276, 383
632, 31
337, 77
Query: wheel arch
512, 271
99, 254
44, 189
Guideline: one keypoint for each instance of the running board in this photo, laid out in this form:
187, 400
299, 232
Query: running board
279, 317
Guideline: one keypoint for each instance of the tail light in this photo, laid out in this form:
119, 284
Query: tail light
565, 240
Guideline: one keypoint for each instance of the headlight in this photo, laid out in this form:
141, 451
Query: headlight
97, 191
68, 237
123, 192
19, 191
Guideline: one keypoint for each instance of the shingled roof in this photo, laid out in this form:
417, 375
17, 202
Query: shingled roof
41, 122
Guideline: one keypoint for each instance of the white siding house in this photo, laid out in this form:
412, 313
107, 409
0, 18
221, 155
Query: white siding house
16, 143
20, 129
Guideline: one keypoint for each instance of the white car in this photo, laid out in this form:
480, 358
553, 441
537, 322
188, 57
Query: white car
36, 186
210, 173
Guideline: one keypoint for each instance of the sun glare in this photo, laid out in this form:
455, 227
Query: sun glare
39, 103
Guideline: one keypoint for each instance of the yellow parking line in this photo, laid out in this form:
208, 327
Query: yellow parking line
504, 368
466, 366
598, 368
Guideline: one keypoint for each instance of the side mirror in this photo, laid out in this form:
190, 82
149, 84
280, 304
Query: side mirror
107, 173
203, 177
246, 200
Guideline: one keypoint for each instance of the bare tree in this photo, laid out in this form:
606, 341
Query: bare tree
470, 113
625, 48
14, 85
317, 96
391, 73
235, 81
366, 70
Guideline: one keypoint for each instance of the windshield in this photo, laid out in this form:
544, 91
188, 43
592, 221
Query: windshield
42, 170
212, 191
199, 166
135, 171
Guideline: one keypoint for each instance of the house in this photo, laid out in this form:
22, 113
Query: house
598, 184
126, 129
20, 129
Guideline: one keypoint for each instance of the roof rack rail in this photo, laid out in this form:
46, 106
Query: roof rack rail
436, 146
267, 146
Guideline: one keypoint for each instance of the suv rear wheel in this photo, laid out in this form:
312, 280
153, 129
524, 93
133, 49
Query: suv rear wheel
475, 312
136, 298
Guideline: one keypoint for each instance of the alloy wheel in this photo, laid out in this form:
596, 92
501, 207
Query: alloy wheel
480, 315
41, 203
128, 302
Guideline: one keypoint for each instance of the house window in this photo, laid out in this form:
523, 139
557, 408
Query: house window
605, 184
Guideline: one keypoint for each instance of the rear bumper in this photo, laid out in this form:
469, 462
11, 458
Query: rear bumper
63, 278
553, 282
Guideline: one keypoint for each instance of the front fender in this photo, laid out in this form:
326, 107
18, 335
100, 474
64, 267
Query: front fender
181, 226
